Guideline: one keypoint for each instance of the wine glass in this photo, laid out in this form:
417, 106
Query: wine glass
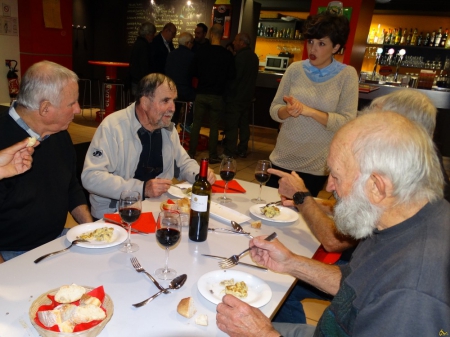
129, 210
168, 232
262, 176
227, 173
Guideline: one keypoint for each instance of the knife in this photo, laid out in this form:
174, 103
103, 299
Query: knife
243, 263
123, 226
274, 203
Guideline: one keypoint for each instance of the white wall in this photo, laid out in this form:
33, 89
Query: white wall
9, 50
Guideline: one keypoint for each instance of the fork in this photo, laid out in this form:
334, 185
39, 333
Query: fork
137, 266
74, 242
234, 260
183, 189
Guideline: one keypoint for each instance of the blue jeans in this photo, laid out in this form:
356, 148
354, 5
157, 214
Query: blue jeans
10, 254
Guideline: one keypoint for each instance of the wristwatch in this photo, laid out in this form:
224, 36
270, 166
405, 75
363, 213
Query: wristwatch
299, 197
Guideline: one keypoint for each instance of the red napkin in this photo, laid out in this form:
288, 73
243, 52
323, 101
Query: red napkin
97, 292
233, 187
146, 223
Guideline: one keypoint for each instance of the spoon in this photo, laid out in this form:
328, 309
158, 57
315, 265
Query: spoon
74, 242
176, 283
238, 228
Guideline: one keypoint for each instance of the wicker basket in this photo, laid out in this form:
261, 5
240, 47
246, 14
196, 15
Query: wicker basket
92, 332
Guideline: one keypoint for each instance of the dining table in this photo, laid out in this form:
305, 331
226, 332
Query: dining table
109, 94
22, 281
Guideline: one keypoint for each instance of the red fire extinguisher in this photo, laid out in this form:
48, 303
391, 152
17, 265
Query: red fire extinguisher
13, 80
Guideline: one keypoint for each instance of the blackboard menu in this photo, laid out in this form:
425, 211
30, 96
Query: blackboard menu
183, 14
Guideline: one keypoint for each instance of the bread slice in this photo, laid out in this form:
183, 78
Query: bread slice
49, 318
201, 320
66, 311
88, 313
69, 294
186, 307
88, 299
66, 326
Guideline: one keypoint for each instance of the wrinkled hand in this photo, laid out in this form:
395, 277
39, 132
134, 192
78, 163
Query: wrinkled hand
237, 319
273, 255
16, 159
293, 107
156, 187
211, 176
289, 184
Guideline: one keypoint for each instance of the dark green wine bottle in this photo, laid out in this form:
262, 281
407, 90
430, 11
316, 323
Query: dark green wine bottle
200, 202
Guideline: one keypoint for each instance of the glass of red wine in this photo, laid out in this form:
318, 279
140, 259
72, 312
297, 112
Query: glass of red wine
227, 173
262, 176
168, 233
129, 210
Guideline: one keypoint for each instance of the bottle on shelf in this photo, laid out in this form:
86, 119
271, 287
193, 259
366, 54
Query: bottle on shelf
377, 34
381, 37
371, 36
413, 41
388, 36
431, 41
403, 37
409, 37
419, 39
200, 202
398, 37
444, 38
438, 37
426, 41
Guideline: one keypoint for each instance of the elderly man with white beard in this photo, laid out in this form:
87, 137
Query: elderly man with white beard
389, 186
138, 149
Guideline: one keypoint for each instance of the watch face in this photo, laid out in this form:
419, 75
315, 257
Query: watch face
299, 197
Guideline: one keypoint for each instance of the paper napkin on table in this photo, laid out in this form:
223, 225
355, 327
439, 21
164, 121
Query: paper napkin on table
233, 187
146, 222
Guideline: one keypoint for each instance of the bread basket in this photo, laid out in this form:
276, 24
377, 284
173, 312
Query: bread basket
92, 332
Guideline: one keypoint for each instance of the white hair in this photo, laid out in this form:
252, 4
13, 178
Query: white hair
402, 151
185, 38
44, 81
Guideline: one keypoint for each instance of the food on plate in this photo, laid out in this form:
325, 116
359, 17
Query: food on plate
201, 320
186, 307
100, 234
87, 299
70, 293
31, 141
270, 211
168, 205
256, 224
88, 313
184, 205
238, 289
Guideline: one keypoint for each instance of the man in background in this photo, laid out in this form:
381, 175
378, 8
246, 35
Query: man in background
239, 97
141, 54
200, 37
138, 149
161, 47
177, 68
34, 205
213, 66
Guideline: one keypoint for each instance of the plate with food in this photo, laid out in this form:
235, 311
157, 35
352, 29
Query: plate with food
184, 190
274, 213
247, 287
98, 235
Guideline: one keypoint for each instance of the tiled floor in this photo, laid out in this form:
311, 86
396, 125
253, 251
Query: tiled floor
83, 129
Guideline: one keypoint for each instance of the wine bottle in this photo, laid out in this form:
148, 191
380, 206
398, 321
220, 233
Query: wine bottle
398, 37
414, 38
444, 38
200, 201
431, 41
437, 40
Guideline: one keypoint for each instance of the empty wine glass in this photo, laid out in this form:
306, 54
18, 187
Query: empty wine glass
168, 233
262, 176
129, 210
227, 173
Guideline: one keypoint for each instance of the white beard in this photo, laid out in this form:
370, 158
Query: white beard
354, 215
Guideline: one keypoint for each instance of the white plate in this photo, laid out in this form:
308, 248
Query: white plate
226, 214
259, 292
286, 214
177, 193
119, 235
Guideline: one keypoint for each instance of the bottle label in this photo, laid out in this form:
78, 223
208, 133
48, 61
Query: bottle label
199, 203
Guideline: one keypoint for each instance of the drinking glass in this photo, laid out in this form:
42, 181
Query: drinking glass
129, 210
168, 233
227, 173
262, 176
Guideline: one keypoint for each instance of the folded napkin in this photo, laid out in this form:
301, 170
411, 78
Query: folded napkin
233, 187
146, 223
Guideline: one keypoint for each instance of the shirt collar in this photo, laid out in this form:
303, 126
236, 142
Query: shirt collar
14, 115
308, 67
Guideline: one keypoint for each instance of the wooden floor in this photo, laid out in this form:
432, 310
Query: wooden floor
82, 130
